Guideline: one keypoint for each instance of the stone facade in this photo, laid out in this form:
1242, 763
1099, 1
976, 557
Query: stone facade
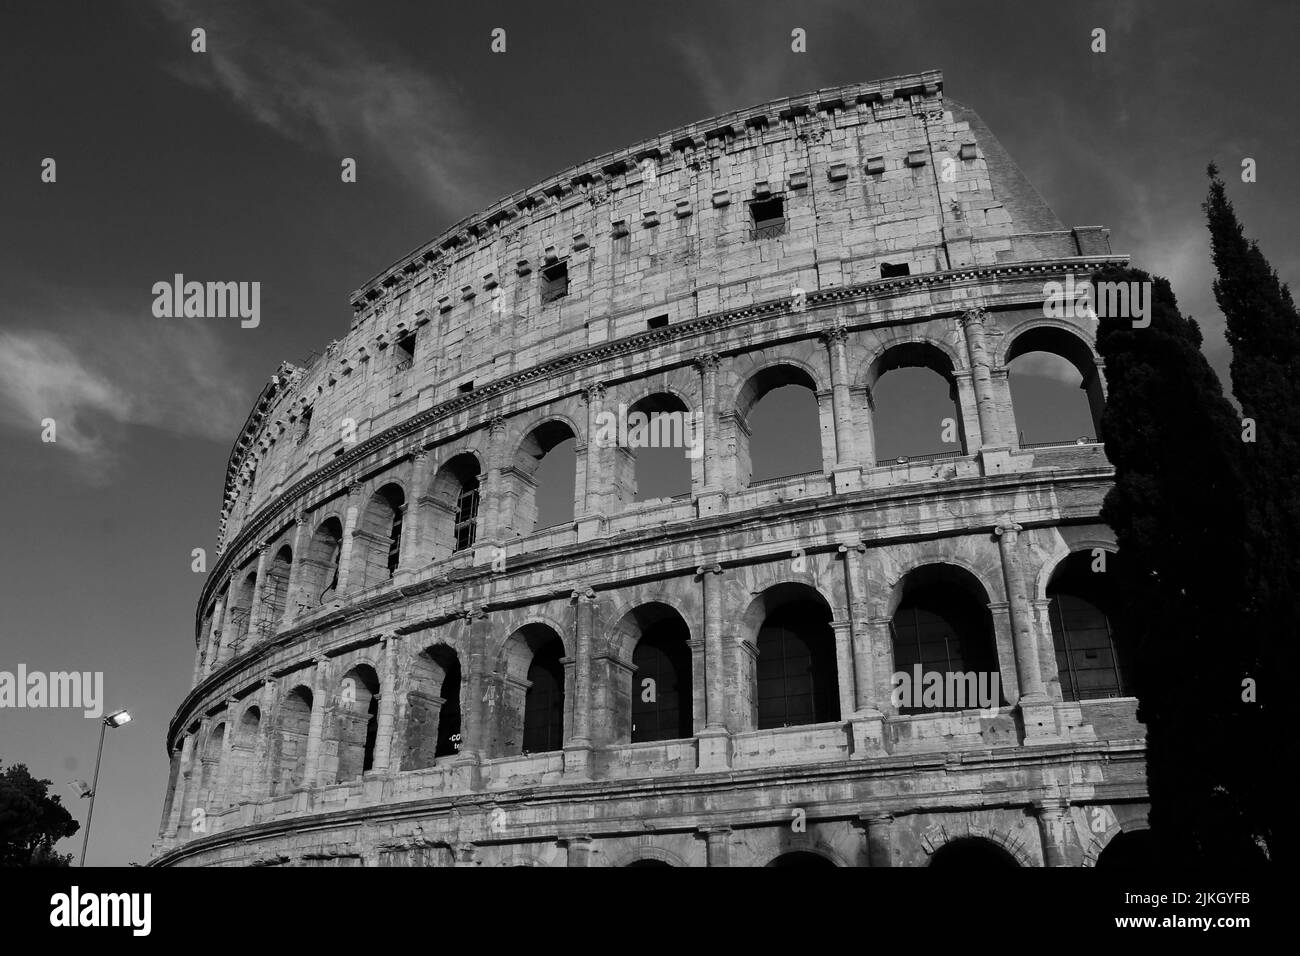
350, 613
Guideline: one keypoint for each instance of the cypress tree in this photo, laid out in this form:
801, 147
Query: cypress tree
1177, 508
1263, 330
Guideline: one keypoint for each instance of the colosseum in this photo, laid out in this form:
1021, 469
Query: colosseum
397, 665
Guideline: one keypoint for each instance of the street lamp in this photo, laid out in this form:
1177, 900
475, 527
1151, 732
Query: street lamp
116, 719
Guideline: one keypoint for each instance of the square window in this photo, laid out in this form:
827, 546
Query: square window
892, 270
465, 387
555, 282
658, 322
769, 218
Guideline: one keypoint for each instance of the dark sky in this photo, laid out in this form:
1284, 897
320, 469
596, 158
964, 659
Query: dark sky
226, 166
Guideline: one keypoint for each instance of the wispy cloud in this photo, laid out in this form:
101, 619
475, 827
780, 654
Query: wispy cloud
177, 378
319, 84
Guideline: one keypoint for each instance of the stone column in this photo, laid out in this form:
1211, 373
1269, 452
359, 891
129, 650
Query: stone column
877, 830
596, 471
966, 405
259, 781
320, 692
257, 613
841, 405
496, 498
173, 792
1036, 708
184, 786
578, 746
578, 850
414, 552
292, 585
880, 640
387, 703
715, 739
719, 845
867, 719
211, 643
349, 532
1053, 829
473, 729
708, 366
972, 323
226, 783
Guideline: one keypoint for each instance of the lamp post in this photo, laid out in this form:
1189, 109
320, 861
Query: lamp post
116, 719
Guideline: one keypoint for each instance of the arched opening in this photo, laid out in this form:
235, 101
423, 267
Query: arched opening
794, 680
244, 749
802, 858
777, 425
972, 853
289, 754
275, 591
454, 509
533, 704
377, 543
942, 626
543, 479
1056, 388
648, 864
239, 615
659, 689
1128, 850
357, 722
1089, 662
433, 708
213, 749
655, 447
320, 568
915, 408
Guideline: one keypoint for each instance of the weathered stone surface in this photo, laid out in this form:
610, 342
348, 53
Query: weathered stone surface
318, 731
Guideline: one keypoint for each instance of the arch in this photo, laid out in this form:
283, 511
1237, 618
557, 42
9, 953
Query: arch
794, 417
793, 677
643, 855
320, 568
973, 853
914, 419
433, 707
942, 625
275, 590
1090, 663
289, 747
1065, 343
529, 485
238, 617
1130, 849
533, 691
377, 540
655, 447
658, 689
356, 722
802, 858
926, 351
213, 753
250, 722
455, 505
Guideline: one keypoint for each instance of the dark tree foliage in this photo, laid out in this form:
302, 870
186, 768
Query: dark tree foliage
1178, 509
1263, 330
31, 821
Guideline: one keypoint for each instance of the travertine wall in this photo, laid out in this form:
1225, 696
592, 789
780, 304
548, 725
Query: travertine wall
880, 173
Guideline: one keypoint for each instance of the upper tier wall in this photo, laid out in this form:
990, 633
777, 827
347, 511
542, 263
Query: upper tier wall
867, 175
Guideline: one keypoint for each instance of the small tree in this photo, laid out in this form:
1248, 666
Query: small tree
31, 821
